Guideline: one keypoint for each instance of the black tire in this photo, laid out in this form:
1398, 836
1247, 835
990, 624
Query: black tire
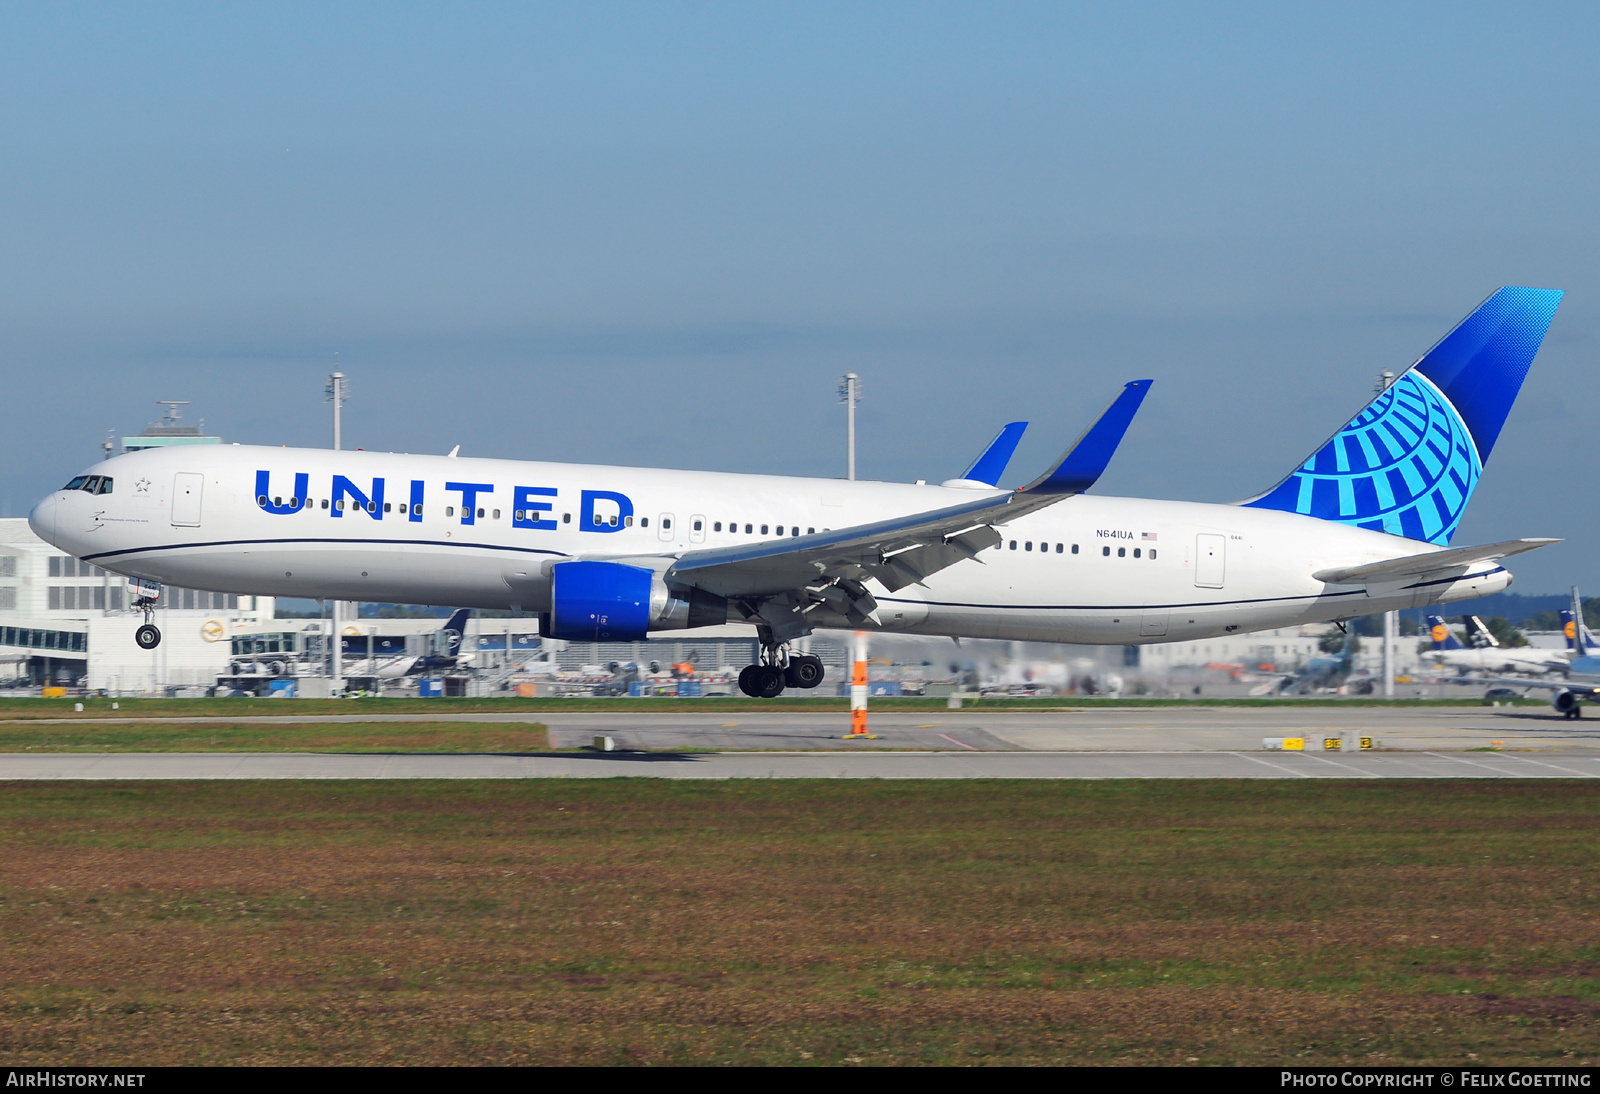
747, 682
805, 672
148, 636
768, 680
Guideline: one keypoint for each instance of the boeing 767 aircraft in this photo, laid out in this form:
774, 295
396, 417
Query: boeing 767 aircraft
613, 553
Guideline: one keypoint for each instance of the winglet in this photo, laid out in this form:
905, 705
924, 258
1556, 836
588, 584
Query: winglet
988, 467
1084, 463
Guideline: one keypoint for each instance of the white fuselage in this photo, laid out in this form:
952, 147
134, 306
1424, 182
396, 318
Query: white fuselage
1088, 569
1500, 659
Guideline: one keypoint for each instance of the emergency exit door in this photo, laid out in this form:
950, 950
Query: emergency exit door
186, 487
1210, 560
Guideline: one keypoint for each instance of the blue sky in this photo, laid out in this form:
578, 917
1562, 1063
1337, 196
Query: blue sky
657, 234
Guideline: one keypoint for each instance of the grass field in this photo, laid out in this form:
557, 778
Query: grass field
21, 709
786, 922
222, 736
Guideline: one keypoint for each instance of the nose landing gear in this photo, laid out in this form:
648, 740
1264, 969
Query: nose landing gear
149, 635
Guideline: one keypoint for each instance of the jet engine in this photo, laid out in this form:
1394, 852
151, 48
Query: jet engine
1565, 702
594, 601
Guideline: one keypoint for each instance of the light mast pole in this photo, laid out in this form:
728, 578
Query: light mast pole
338, 390
850, 395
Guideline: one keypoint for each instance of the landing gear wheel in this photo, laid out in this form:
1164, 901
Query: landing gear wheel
768, 680
148, 636
747, 683
804, 671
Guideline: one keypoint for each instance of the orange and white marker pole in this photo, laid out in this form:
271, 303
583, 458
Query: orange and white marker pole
858, 692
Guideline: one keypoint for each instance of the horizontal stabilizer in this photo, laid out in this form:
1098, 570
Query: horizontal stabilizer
1428, 563
1083, 464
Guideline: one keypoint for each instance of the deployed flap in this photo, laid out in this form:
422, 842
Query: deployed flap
989, 466
1430, 562
904, 550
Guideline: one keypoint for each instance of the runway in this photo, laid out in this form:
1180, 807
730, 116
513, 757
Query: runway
1086, 743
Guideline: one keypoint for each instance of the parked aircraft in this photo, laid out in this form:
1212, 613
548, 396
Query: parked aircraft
1320, 673
443, 653
1582, 684
1485, 654
1362, 525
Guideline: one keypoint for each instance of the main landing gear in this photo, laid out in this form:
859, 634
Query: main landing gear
778, 670
149, 635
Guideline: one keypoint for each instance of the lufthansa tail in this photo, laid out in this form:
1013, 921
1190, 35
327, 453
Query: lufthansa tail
1407, 464
1440, 633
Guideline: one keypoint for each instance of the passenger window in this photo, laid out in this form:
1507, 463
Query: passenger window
496, 517
794, 531
811, 531
1074, 548
416, 511
294, 503
698, 525
480, 517
628, 522
763, 529
325, 505
1028, 546
449, 511
337, 505
717, 527
566, 518
1060, 547
1106, 552
644, 522
278, 503
666, 524
1122, 552
1013, 545
1136, 552
402, 510
1152, 552
261, 500
612, 520
747, 528
388, 507
372, 507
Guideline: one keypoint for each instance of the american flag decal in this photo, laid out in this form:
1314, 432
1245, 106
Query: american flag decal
1147, 535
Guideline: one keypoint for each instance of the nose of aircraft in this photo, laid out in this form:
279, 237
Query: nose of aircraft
43, 519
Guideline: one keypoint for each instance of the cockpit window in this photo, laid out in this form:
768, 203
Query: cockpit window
93, 485
105, 486
77, 483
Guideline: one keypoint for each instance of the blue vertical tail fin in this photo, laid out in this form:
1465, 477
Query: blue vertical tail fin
453, 630
1440, 633
1407, 464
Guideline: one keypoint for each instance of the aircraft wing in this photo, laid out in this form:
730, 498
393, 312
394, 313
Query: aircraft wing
1428, 564
829, 566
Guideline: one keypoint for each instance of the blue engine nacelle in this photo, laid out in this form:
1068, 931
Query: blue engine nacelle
599, 602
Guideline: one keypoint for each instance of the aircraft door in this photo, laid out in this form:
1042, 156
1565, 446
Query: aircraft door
186, 488
697, 528
664, 529
1210, 560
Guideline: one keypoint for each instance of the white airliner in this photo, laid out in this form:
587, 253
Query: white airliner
613, 553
